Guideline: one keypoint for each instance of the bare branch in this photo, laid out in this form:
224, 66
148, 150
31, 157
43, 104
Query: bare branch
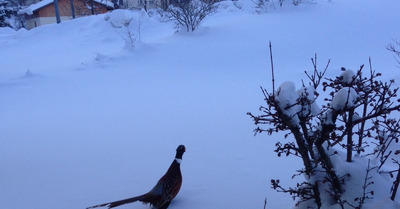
272, 69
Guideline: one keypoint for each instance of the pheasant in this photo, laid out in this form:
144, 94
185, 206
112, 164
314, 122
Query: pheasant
163, 192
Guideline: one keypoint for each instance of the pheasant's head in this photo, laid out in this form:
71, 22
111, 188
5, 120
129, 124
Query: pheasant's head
179, 151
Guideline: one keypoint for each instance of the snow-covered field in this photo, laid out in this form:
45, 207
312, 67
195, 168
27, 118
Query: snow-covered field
85, 119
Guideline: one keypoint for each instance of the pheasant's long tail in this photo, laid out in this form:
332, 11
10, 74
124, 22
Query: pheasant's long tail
118, 203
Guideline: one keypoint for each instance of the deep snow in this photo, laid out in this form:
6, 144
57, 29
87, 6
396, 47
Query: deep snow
86, 119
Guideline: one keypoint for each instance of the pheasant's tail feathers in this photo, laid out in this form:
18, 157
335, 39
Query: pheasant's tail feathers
125, 201
98, 206
117, 203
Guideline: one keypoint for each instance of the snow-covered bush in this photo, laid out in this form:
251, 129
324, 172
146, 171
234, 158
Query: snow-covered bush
9, 16
262, 5
356, 115
128, 24
189, 13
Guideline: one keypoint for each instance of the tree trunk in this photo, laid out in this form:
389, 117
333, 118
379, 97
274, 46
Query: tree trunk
325, 159
349, 130
303, 151
396, 185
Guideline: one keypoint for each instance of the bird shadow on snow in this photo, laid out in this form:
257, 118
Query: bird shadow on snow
23, 80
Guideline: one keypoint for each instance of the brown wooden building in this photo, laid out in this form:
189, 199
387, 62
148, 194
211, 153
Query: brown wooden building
43, 12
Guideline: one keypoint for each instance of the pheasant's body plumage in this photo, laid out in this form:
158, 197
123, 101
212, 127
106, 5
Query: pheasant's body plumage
163, 192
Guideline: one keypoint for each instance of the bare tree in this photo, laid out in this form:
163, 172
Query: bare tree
189, 13
395, 49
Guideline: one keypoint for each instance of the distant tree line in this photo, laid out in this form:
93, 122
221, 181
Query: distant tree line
266, 4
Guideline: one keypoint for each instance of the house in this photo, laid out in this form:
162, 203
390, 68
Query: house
43, 12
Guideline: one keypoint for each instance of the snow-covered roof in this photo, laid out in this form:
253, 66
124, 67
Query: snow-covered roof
105, 2
33, 7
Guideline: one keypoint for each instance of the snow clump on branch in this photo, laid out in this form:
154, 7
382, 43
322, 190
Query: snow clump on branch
344, 98
347, 76
287, 97
295, 104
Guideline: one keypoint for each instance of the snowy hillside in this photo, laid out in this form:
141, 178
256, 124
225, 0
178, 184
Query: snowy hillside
87, 119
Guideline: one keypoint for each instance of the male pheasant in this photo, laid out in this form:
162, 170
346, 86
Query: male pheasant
163, 192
